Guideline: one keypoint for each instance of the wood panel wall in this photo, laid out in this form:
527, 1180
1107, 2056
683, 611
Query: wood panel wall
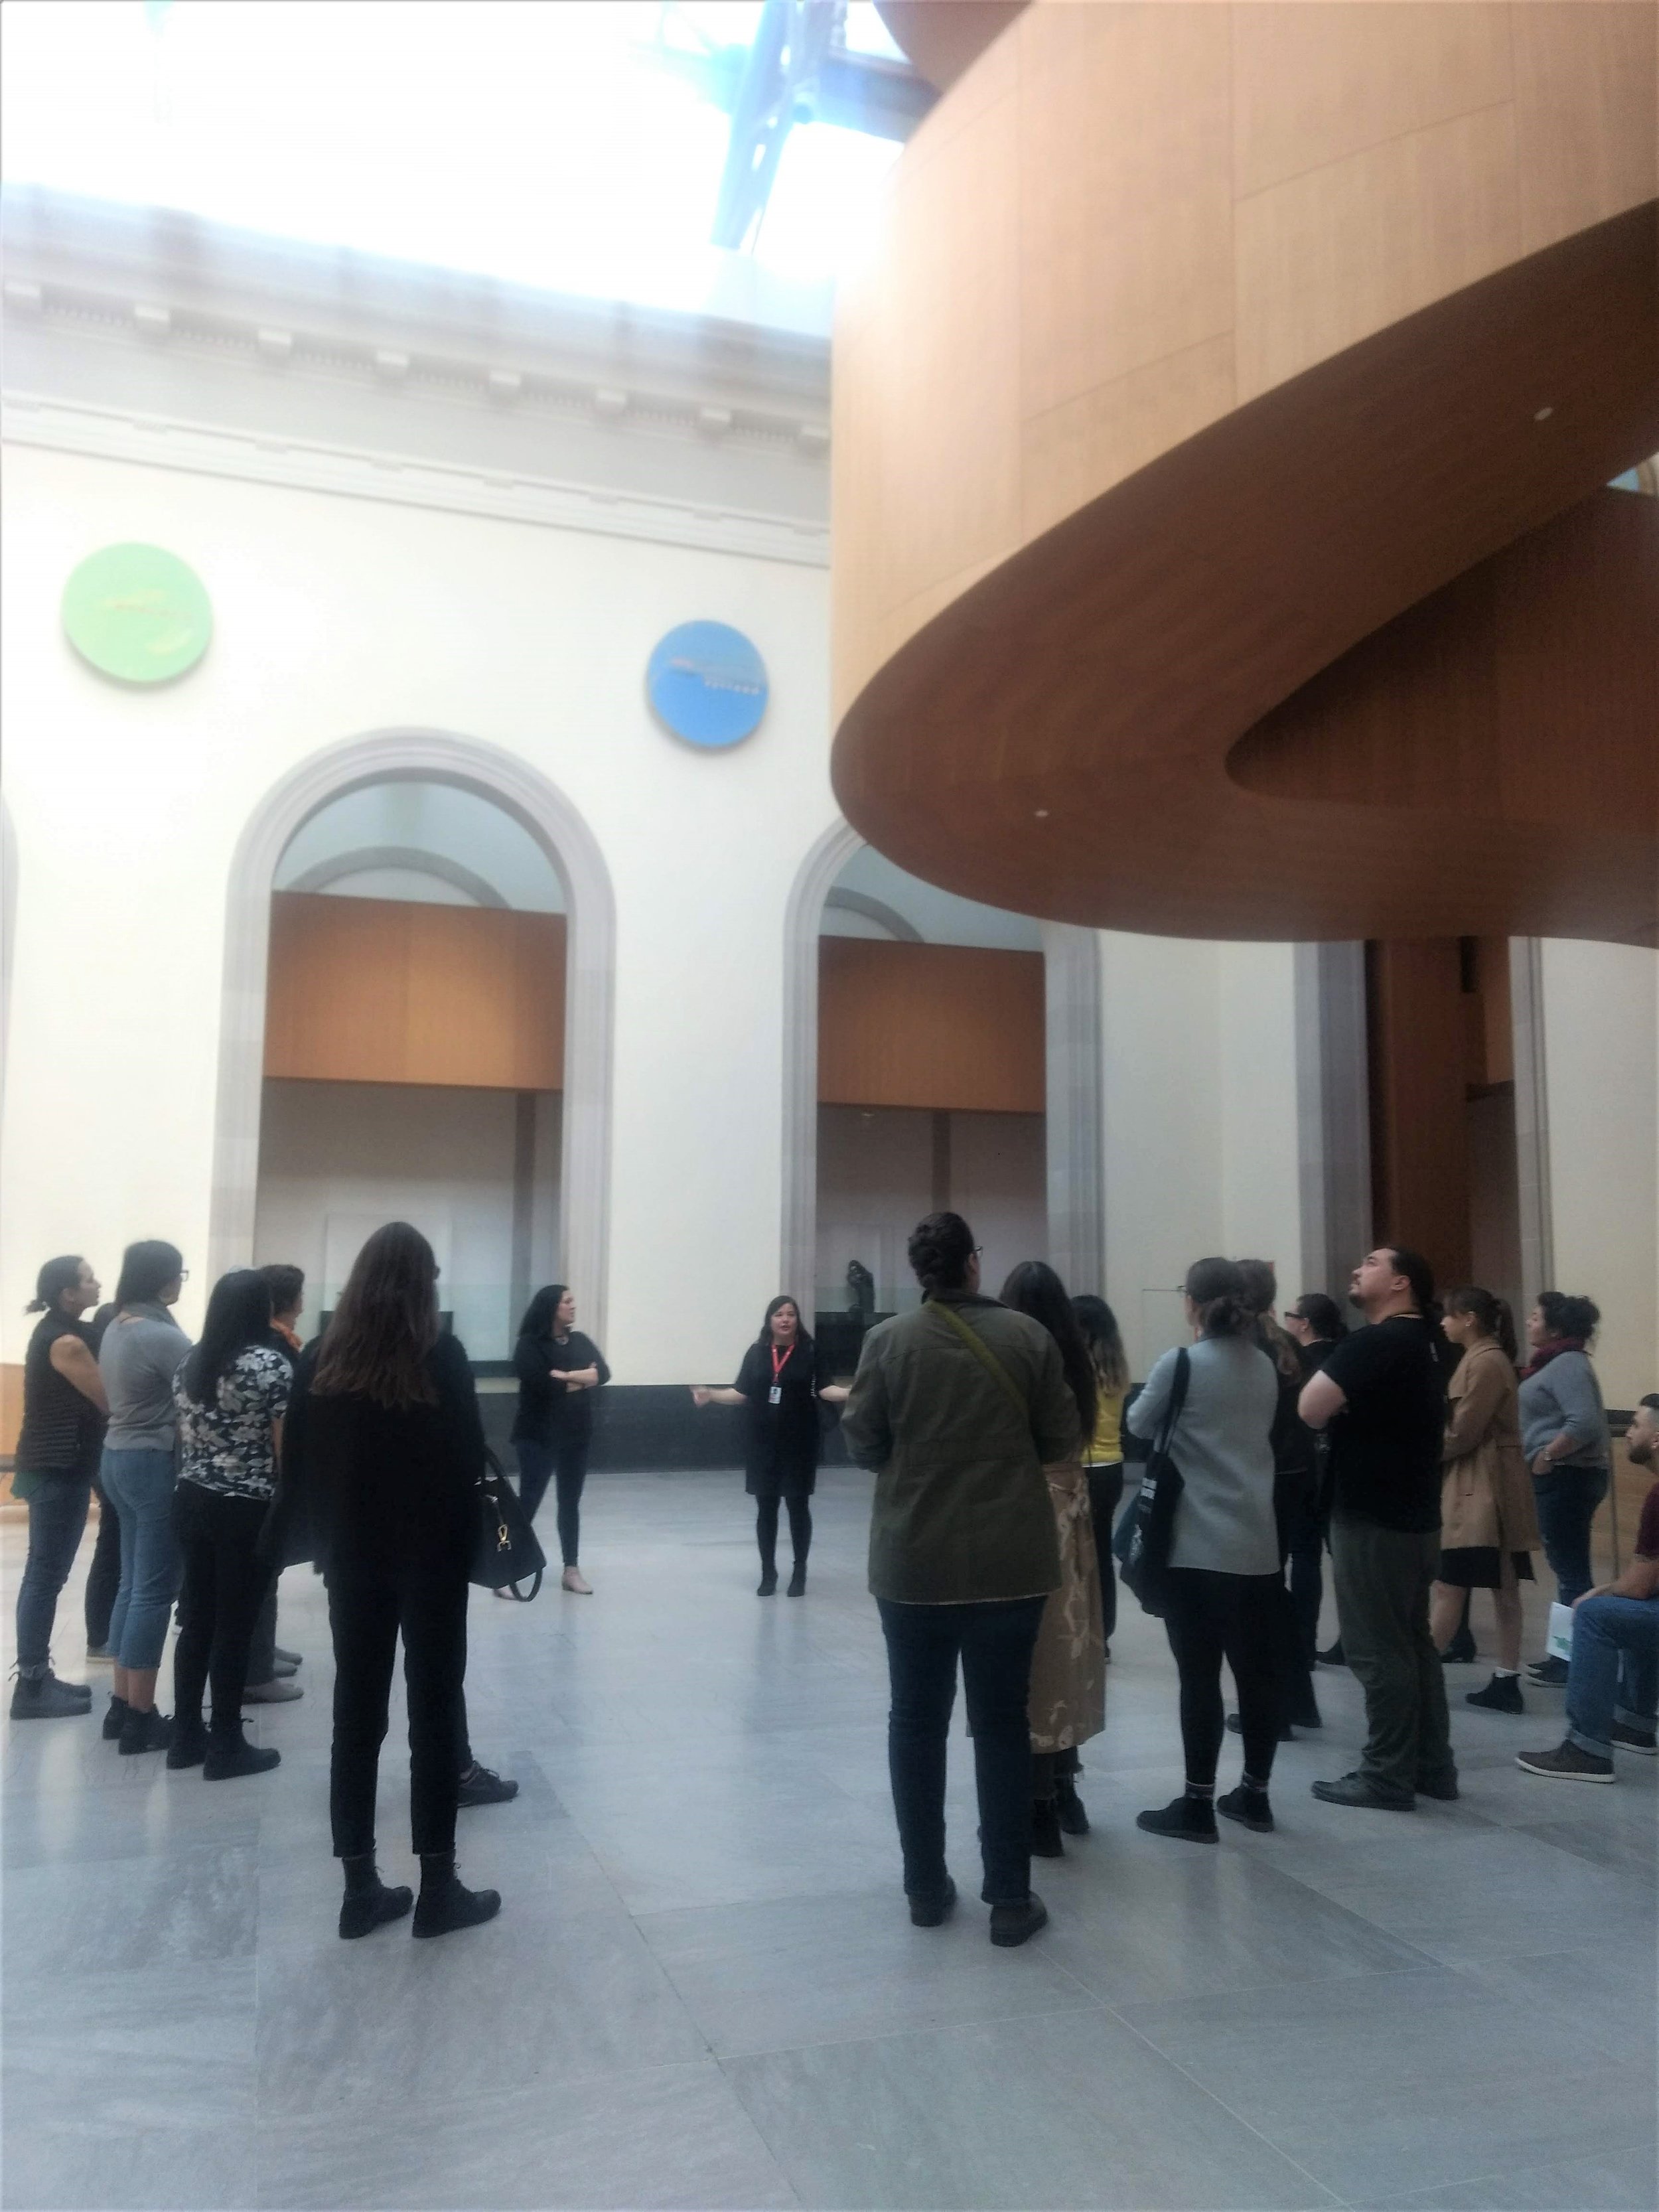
392, 991
944, 1026
1419, 1047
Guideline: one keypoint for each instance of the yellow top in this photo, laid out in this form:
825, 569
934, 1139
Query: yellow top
1108, 1444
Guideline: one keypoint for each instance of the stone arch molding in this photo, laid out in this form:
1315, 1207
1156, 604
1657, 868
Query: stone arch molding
1075, 1080
492, 772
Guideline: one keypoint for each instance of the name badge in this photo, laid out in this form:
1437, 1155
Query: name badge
775, 1396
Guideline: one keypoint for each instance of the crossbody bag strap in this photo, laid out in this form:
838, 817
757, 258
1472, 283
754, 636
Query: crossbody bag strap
1177, 1400
987, 1358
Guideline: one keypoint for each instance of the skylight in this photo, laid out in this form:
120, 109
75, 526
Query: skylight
553, 142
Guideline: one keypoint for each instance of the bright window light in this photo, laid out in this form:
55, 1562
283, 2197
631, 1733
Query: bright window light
539, 141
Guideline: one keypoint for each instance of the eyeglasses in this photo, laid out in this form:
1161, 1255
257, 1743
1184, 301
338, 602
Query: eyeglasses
184, 1274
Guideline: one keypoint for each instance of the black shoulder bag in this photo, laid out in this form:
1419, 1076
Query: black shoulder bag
1150, 1520
505, 1552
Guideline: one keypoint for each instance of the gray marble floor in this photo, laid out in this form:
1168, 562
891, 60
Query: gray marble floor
703, 1988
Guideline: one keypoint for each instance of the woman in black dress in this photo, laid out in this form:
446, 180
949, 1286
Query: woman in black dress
781, 1383
558, 1370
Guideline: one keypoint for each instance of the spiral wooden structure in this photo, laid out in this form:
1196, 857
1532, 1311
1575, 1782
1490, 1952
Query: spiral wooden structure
1223, 431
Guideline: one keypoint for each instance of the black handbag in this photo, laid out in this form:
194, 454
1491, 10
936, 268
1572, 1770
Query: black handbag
1150, 1520
505, 1552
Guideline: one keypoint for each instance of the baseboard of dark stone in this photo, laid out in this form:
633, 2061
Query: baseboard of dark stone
644, 1428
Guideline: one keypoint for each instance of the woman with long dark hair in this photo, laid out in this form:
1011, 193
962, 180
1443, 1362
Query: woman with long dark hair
231, 1395
781, 1385
138, 1358
1103, 1452
1223, 1583
380, 1463
1488, 1521
59, 1447
1565, 1435
1067, 1702
558, 1370
1296, 1505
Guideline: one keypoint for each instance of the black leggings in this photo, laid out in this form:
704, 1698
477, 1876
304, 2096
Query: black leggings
365, 1611
225, 1582
564, 1461
1210, 1617
1105, 1496
766, 1528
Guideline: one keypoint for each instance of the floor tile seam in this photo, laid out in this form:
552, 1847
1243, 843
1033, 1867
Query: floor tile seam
275, 2116
1085, 2002
1320, 2189
1406, 2197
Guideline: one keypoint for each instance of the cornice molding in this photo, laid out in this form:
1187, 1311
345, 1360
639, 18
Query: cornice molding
358, 472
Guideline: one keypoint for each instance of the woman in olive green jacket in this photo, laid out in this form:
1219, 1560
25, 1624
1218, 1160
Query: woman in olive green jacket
958, 1407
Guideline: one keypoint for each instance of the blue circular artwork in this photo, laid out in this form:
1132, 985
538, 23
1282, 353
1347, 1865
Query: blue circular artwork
708, 684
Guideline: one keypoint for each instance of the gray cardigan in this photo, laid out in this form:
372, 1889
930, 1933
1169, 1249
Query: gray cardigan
139, 1358
1222, 1445
1565, 1395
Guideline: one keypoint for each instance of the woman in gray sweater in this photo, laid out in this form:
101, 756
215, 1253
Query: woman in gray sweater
140, 1353
1224, 1581
1565, 1437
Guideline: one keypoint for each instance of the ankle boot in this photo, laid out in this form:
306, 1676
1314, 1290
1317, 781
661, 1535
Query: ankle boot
1073, 1816
768, 1585
1045, 1830
115, 1718
42, 1697
369, 1903
445, 1904
189, 1747
798, 1581
142, 1732
229, 1753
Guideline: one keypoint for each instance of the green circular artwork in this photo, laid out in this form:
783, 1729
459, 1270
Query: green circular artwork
138, 613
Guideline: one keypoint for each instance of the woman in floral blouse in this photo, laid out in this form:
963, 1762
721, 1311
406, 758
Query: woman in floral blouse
231, 1393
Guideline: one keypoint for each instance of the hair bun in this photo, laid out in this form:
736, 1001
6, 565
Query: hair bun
35, 1305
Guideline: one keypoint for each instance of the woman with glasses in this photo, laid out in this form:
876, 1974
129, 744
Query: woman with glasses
140, 1353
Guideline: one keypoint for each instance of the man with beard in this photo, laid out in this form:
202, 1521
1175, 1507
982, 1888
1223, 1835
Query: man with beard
1612, 1680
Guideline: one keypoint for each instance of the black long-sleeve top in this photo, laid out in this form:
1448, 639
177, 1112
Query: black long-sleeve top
548, 1410
377, 1488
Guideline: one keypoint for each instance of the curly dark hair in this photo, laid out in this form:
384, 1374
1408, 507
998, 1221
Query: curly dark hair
939, 1250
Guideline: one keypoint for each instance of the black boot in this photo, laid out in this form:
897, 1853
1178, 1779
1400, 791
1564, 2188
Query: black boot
190, 1742
798, 1581
1460, 1651
768, 1585
1045, 1830
1501, 1695
369, 1903
1250, 1806
1073, 1818
142, 1732
115, 1718
230, 1754
41, 1696
445, 1904
1192, 1819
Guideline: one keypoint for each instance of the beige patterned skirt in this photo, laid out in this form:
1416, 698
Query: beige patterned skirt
1068, 1668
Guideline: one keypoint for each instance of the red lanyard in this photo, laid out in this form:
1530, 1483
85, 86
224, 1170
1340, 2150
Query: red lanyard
778, 1365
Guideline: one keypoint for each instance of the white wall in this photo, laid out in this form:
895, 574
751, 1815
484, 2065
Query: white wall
1261, 1204
346, 1157
1601, 1076
336, 616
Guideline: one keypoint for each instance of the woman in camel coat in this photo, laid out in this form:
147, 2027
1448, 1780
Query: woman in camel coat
1488, 1520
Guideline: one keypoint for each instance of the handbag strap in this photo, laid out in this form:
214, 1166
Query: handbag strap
987, 1358
1177, 1400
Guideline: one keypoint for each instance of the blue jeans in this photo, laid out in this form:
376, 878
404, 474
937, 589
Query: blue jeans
994, 1643
140, 1484
57, 1514
1567, 1499
1614, 1674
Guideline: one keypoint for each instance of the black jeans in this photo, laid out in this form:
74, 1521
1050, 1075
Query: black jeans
104, 1575
565, 1459
1209, 1618
224, 1585
1302, 1543
57, 1514
1105, 1496
766, 1528
994, 1643
1568, 1498
365, 1610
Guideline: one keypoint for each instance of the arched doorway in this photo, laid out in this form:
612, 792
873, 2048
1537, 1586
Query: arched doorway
1073, 1197
518, 791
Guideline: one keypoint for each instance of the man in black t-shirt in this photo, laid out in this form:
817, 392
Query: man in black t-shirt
1382, 1397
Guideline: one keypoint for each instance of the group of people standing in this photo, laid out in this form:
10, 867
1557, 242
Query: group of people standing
996, 1429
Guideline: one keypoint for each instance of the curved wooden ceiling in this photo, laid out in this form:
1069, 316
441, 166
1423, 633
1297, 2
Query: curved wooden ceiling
1219, 543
